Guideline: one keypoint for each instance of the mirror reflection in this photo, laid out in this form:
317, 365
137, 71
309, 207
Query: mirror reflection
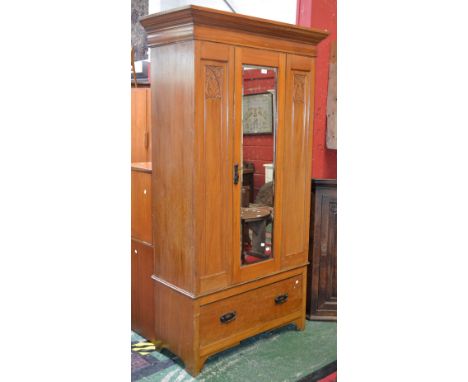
258, 168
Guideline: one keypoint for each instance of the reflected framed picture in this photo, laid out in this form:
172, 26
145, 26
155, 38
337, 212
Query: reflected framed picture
258, 113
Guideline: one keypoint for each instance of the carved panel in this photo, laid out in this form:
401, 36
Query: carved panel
299, 81
295, 171
216, 189
214, 81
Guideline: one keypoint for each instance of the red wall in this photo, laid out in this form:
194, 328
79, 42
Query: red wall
257, 82
258, 149
320, 14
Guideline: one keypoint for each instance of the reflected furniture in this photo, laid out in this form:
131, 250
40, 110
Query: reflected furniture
207, 297
142, 263
321, 284
254, 221
248, 179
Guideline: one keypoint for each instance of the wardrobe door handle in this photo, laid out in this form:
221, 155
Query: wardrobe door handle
228, 317
236, 173
281, 299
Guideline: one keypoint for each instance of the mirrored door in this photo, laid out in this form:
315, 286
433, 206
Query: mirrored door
258, 130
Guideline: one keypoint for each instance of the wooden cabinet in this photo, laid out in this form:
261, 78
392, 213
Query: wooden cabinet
142, 261
321, 288
226, 269
142, 289
141, 124
141, 202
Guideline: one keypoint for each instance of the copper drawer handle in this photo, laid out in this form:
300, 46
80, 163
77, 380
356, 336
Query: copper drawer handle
281, 299
228, 317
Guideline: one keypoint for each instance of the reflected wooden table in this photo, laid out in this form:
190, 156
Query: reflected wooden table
256, 219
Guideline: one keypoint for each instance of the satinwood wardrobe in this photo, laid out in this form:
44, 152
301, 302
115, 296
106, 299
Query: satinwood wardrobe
229, 93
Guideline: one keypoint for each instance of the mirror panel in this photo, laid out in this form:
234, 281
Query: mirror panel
259, 85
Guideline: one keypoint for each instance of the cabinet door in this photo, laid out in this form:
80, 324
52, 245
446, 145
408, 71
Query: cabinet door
141, 206
141, 124
146, 290
134, 295
322, 301
259, 103
295, 154
142, 289
213, 142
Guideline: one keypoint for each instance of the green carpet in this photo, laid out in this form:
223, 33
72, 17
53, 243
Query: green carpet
281, 355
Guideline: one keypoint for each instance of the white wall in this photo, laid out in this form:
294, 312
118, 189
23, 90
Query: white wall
279, 10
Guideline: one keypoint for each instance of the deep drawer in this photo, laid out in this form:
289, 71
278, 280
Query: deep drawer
234, 315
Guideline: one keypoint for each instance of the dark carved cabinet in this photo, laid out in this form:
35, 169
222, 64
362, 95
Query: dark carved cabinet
321, 288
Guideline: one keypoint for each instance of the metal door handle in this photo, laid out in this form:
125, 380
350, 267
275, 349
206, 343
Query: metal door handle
236, 173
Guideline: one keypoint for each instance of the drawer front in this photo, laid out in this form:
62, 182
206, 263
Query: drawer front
234, 315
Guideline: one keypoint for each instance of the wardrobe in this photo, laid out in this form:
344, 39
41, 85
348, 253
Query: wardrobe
229, 93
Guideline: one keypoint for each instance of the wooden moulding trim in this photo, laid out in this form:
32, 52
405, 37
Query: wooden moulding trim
173, 287
215, 295
252, 40
172, 34
180, 22
249, 286
191, 32
224, 343
142, 167
142, 242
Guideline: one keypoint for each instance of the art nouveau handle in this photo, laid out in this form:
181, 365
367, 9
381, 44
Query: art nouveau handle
281, 299
236, 173
228, 317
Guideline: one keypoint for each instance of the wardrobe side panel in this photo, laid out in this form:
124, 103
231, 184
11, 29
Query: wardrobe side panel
172, 85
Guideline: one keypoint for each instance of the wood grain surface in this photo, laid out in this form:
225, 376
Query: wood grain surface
197, 60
